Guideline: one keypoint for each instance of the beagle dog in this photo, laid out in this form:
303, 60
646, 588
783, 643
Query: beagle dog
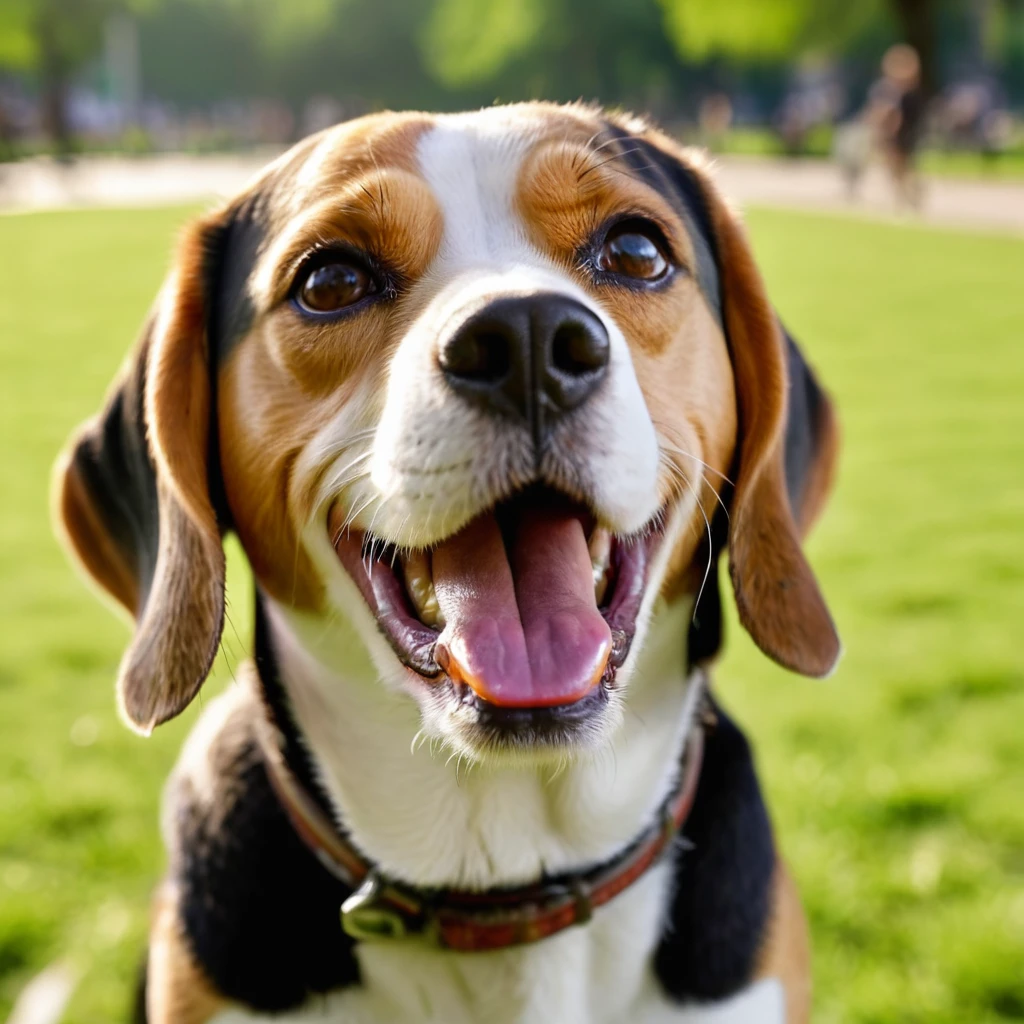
484, 397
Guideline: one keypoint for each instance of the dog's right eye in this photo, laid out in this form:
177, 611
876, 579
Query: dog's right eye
333, 286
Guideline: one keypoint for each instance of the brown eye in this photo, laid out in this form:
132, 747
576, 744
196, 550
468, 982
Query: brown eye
333, 286
631, 253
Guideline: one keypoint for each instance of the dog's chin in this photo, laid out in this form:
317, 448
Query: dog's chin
513, 630
457, 720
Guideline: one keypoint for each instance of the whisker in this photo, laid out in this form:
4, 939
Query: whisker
608, 160
611, 140
353, 515
704, 480
711, 545
682, 451
681, 477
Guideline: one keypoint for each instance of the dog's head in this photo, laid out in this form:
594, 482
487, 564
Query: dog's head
484, 385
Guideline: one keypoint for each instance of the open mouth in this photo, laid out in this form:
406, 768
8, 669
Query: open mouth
530, 605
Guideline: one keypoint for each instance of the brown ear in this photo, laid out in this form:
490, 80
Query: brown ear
777, 595
133, 502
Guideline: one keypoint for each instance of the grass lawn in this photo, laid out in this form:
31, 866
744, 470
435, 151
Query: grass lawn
897, 786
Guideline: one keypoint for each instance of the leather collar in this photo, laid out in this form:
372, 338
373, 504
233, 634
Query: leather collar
468, 921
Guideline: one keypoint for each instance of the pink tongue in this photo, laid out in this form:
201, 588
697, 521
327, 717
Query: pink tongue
523, 629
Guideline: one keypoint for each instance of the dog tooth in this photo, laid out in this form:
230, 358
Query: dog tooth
600, 546
419, 583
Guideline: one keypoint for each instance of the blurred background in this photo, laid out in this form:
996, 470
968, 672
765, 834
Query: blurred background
877, 148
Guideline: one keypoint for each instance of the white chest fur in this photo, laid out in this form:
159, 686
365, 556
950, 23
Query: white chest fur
425, 822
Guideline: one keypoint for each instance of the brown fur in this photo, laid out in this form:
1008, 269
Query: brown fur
177, 991
786, 953
286, 381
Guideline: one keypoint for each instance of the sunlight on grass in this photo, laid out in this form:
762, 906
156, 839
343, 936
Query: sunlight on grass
896, 786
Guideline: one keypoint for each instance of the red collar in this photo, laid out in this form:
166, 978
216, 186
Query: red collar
381, 908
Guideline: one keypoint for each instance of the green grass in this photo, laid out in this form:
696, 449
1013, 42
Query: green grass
897, 786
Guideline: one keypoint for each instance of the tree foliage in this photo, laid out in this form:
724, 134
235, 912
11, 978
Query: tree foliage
767, 29
63, 32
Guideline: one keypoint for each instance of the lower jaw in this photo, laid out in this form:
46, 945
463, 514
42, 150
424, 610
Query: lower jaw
543, 736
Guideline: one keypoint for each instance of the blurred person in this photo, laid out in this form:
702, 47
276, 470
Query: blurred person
897, 106
851, 149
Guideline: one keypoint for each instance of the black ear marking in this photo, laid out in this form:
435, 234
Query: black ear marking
810, 437
111, 463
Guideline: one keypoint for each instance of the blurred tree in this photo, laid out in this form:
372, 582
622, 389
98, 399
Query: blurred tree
364, 54
466, 41
554, 49
768, 29
917, 22
53, 39
753, 29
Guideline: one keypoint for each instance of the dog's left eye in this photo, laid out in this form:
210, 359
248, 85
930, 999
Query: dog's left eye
330, 287
632, 252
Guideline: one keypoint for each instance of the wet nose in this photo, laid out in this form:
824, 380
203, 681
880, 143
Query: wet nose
531, 358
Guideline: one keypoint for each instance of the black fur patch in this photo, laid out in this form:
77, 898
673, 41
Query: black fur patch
803, 422
231, 259
722, 900
117, 470
260, 912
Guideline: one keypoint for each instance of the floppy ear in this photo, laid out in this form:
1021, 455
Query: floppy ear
782, 459
132, 497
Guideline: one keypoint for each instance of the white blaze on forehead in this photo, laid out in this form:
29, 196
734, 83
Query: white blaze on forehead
471, 163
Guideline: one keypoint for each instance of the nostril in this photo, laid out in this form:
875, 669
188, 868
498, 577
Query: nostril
577, 349
479, 355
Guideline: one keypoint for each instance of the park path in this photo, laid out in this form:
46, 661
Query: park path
42, 184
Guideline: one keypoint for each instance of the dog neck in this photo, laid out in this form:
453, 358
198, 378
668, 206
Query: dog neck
425, 818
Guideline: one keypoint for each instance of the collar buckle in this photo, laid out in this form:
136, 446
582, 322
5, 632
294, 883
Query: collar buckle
378, 909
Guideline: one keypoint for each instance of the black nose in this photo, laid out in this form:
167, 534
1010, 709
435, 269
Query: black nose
532, 358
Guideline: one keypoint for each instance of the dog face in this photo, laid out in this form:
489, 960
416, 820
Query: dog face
480, 384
